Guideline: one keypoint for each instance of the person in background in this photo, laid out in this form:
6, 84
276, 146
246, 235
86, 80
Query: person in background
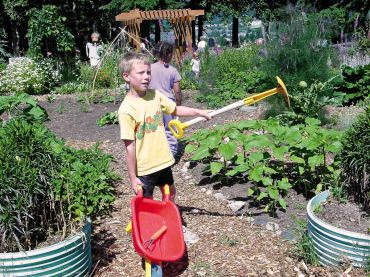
195, 64
93, 49
148, 157
201, 44
166, 79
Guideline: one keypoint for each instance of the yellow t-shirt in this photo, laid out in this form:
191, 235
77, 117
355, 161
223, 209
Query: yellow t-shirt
141, 120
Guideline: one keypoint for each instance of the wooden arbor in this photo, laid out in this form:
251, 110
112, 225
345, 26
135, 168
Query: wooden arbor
180, 19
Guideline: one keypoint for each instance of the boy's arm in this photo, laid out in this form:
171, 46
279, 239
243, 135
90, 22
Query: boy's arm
131, 164
178, 94
187, 111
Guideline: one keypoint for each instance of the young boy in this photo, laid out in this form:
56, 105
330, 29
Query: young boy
149, 158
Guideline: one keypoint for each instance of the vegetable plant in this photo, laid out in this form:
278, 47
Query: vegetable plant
274, 157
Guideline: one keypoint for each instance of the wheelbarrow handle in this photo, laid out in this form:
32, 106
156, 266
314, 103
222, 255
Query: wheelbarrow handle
178, 128
158, 233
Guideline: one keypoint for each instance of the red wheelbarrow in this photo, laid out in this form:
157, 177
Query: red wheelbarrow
156, 231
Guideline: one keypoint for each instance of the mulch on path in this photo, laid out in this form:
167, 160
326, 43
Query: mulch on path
229, 244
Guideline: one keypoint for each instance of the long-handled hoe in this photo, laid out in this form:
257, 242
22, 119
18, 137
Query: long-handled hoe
177, 128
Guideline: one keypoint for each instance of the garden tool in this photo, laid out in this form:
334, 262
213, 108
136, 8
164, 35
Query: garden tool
177, 128
148, 243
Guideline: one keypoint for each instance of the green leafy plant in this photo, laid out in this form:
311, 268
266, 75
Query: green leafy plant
72, 87
298, 49
355, 84
276, 158
108, 118
228, 76
23, 75
22, 105
355, 159
44, 27
308, 101
47, 188
303, 246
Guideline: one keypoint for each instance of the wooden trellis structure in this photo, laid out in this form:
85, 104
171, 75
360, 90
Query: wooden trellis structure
180, 19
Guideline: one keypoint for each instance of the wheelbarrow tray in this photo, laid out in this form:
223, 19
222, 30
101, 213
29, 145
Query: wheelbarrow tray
148, 216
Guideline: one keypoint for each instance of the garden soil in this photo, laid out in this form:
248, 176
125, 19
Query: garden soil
230, 243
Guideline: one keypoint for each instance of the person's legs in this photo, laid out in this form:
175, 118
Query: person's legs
149, 181
166, 178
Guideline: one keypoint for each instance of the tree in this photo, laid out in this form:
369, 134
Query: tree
47, 32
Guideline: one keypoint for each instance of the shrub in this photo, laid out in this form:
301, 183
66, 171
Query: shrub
355, 159
229, 76
274, 157
298, 50
47, 187
72, 87
22, 105
355, 84
27, 160
22, 75
50, 72
307, 101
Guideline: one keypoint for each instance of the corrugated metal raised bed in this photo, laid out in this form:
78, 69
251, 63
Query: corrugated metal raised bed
71, 257
333, 244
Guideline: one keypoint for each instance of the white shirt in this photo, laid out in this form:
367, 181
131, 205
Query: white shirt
201, 45
195, 65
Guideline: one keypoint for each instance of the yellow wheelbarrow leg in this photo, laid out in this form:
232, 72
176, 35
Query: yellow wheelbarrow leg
152, 269
128, 228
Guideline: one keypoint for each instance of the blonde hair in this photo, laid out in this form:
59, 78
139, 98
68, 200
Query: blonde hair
128, 59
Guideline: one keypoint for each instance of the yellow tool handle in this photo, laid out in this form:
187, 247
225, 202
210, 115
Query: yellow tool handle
178, 128
157, 234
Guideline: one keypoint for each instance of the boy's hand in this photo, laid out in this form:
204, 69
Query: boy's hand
136, 185
205, 114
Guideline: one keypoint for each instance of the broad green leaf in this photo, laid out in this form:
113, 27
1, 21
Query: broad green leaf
284, 184
240, 159
312, 121
235, 134
259, 141
269, 170
227, 150
57, 147
315, 160
189, 148
214, 141
282, 203
250, 192
296, 159
279, 152
267, 181
313, 143
248, 124
200, 154
273, 193
261, 196
216, 167
334, 147
318, 188
255, 157
256, 173
301, 170
238, 169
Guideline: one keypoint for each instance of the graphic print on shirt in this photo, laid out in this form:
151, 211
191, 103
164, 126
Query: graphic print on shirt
149, 125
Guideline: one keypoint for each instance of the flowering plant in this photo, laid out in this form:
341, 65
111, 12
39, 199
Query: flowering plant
23, 75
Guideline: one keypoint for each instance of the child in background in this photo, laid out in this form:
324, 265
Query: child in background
166, 79
149, 158
195, 64
93, 49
